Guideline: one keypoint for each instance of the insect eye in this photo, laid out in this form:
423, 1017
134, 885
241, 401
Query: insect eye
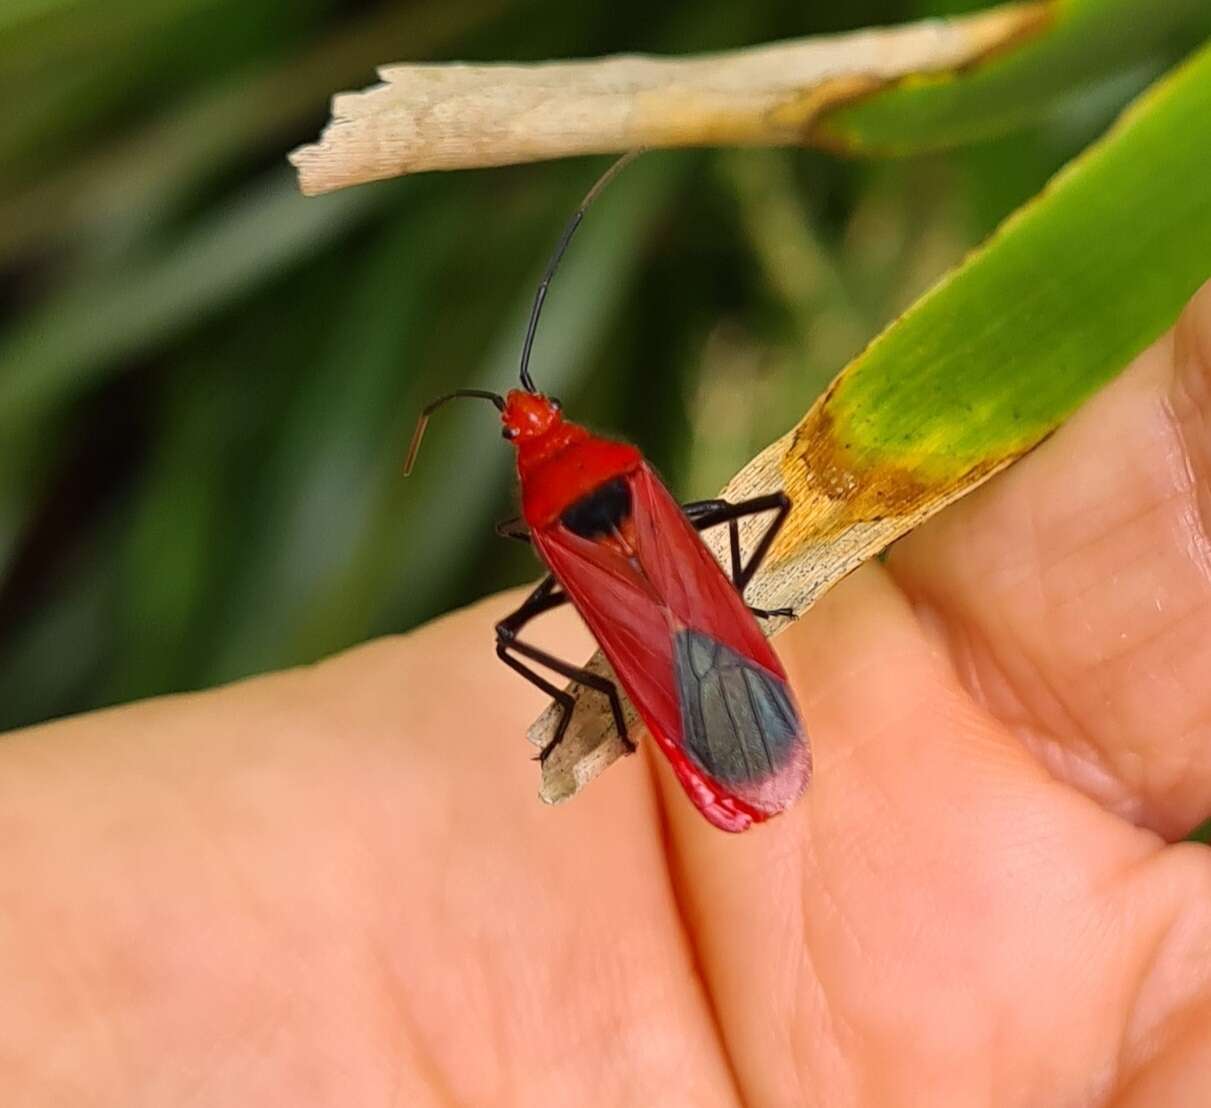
508, 433
556, 403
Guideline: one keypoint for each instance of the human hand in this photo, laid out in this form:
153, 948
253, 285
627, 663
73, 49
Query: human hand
336, 886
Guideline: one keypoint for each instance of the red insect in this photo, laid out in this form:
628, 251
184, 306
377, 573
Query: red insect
682, 642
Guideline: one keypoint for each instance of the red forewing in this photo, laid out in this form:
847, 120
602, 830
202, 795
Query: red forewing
688, 653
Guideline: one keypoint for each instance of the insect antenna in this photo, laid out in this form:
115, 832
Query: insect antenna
429, 409
527, 382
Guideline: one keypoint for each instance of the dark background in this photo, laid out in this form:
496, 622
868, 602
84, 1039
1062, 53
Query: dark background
207, 382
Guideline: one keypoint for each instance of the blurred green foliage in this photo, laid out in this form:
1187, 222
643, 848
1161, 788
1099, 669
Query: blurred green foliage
207, 381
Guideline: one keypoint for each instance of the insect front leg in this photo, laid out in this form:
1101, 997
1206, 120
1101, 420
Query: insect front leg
710, 513
545, 597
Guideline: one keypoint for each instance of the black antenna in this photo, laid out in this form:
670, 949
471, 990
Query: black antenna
429, 409
527, 382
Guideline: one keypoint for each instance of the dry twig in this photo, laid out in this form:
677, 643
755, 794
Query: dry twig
451, 116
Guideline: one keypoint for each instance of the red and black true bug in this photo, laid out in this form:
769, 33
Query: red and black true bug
676, 630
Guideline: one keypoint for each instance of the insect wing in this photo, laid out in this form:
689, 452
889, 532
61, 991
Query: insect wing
627, 619
740, 725
690, 656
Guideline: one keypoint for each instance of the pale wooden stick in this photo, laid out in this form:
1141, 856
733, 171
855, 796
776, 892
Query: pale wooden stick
459, 116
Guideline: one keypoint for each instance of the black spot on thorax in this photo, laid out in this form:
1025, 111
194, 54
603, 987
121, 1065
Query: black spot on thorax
601, 512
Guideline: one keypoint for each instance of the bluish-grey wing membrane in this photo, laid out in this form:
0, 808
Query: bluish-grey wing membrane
737, 719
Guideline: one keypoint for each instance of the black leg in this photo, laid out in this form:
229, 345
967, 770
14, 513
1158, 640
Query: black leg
545, 597
706, 513
514, 528
696, 509
710, 513
771, 613
564, 699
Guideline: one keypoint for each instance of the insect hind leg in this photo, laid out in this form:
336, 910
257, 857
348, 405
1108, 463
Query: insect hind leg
563, 698
545, 597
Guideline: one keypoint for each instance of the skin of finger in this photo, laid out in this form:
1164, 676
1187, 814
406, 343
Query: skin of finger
938, 921
1181, 1076
337, 886
1074, 592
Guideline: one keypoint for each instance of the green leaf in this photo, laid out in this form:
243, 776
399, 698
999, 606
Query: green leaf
80, 333
1063, 295
47, 666
1085, 41
20, 13
236, 114
322, 476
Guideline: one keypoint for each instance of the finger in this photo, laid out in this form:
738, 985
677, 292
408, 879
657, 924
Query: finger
341, 878
549, 933
1074, 591
936, 913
